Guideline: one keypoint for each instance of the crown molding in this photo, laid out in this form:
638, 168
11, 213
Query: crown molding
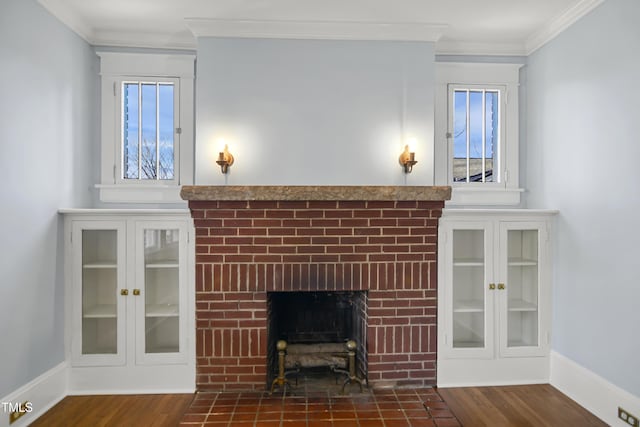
559, 24
403, 31
451, 47
69, 17
182, 41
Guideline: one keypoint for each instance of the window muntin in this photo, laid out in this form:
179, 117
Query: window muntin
476, 121
148, 130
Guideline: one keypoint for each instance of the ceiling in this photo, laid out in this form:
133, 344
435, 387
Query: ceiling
486, 27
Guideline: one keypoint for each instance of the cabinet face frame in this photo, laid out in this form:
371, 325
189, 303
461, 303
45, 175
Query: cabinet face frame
141, 273
77, 270
448, 264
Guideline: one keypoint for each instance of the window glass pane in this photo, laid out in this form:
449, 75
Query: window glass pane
476, 135
130, 131
491, 135
166, 131
475, 140
148, 157
460, 136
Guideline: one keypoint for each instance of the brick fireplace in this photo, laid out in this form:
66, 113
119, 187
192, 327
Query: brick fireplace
251, 241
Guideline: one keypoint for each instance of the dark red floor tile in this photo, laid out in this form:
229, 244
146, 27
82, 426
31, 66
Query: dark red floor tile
219, 417
343, 423
317, 423
368, 414
267, 424
343, 415
417, 413
269, 416
294, 423
389, 405
389, 414
396, 423
371, 423
241, 417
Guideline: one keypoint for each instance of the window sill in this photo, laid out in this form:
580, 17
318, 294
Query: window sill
485, 196
139, 193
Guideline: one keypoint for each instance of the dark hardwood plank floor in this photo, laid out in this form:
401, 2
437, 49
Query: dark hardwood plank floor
148, 410
521, 406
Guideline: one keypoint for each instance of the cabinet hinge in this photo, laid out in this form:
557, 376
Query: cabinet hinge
449, 135
178, 131
70, 237
114, 89
114, 173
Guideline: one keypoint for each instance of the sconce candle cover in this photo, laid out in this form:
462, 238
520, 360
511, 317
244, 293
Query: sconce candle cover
407, 159
225, 159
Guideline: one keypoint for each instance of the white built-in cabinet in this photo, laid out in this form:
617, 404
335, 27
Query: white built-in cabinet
130, 300
494, 290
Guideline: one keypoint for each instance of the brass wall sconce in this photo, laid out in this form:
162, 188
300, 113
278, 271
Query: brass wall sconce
225, 159
407, 159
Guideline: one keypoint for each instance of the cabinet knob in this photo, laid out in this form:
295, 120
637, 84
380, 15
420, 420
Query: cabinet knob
124, 292
501, 286
136, 292
492, 286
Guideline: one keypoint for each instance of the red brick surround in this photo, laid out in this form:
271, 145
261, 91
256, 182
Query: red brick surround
245, 249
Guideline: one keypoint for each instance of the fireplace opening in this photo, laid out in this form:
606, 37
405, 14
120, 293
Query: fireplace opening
321, 324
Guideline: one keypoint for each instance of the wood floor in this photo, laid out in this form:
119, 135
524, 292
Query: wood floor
518, 406
521, 406
148, 410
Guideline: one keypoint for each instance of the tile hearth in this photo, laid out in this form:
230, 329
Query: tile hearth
422, 407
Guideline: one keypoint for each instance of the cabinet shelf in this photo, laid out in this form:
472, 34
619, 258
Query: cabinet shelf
100, 265
161, 310
521, 305
100, 311
468, 262
522, 262
469, 306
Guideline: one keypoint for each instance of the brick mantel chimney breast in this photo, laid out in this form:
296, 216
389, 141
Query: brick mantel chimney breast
251, 240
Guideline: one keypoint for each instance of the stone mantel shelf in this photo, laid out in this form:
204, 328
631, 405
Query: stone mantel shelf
304, 192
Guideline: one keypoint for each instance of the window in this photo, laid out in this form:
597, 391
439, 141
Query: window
148, 130
147, 152
475, 124
477, 132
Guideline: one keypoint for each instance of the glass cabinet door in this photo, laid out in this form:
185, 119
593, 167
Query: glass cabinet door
99, 292
471, 311
99, 305
521, 289
159, 305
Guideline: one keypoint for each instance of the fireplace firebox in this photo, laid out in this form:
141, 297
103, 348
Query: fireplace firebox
317, 318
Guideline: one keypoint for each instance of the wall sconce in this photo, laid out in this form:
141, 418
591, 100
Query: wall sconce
225, 159
407, 159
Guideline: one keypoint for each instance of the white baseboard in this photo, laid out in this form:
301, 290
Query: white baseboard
43, 392
591, 391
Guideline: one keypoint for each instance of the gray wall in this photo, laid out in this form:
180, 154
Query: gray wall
49, 120
314, 112
582, 158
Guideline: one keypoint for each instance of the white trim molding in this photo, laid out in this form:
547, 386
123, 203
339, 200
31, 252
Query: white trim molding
405, 31
558, 25
591, 391
507, 78
43, 393
115, 67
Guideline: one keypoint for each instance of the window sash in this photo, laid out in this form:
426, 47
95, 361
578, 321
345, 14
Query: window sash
140, 178
498, 149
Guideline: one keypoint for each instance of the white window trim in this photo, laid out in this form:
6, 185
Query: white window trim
116, 67
508, 192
